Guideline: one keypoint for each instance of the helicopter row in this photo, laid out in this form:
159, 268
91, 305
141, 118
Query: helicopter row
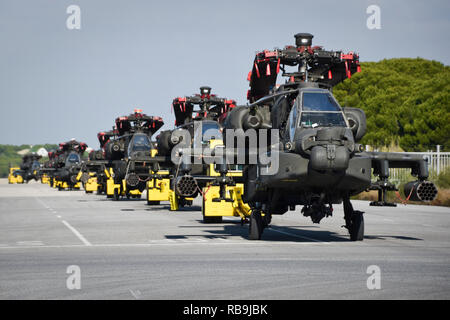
290, 145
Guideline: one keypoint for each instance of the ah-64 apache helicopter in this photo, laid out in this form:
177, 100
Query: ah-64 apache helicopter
130, 152
319, 159
29, 168
64, 165
96, 171
185, 167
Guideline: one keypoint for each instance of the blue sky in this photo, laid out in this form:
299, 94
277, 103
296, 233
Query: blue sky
57, 84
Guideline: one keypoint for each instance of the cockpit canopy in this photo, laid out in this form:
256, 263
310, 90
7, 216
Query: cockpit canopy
139, 142
201, 132
35, 165
315, 108
205, 131
72, 158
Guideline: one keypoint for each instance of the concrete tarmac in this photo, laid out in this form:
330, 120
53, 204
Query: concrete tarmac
129, 250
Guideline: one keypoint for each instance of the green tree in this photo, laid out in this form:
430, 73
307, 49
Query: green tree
406, 101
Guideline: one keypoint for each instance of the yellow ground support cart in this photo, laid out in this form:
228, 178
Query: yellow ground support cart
88, 180
117, 190
45, 179
214, 208
63, 185
230, 204
219, 199
111, 187
14, 177
158, 189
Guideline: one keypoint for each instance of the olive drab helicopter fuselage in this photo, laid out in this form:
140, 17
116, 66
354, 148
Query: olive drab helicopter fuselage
64, 165
319, 159
131, 153
29, 168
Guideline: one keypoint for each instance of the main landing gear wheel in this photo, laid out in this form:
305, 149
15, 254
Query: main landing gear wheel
354, 221
256, 226
357, 227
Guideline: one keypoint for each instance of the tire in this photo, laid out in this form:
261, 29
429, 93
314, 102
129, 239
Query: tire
357, 228
256, 226
153, 203
116, 194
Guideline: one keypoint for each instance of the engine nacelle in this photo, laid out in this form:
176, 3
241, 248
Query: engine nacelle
245, 118
115, 150
357, 122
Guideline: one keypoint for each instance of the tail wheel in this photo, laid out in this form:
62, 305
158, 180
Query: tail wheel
356, 229
256, 226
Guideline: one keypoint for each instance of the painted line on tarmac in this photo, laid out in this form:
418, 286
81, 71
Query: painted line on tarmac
42, 202
136, 294
30, 243
75, 231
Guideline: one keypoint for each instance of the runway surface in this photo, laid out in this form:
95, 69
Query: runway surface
129, 250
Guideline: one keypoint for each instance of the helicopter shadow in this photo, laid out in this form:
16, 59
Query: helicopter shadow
103, 199
232, 229
165, 207
386, 237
